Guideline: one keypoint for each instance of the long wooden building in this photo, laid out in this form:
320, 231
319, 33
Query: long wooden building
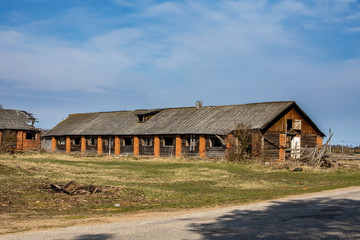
279, 129
17, 131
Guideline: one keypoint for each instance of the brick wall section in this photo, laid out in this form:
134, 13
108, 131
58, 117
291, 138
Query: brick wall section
100, 145
19, 140
29, 144
117, 145
53, 144
156, 147
202, 146
83, 144
136, 146
228, 141
68, 144
178, 143
282, 139
319, 141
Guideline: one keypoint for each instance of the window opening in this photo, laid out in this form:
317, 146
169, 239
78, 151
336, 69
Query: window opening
289, 124
141, 119
168, 141
61, 141
92, 141
77, 141
297, 124
147, 141
30, 136
215, 142
192, 142
127, 141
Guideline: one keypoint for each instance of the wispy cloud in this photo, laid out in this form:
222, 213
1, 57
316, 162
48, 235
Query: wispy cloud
224, 51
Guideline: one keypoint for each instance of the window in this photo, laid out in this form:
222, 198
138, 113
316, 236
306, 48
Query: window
141, 119
147, 141
191, 142
30, 136
293, 124
127, 141
92, 141
215, 142
168, 142
61, 141
289, 124
77, 141
297, 124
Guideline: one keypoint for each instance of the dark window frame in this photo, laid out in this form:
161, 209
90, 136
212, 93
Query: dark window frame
127, 140
167, 141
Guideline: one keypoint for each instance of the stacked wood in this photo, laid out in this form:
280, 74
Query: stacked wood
317, 157
74, 188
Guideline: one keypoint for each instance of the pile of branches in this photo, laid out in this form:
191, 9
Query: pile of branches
317, 157
74, 188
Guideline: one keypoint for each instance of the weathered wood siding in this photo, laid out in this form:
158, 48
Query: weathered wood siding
185, 148
75, 144
91, 148
308, 140
213, 152
126, 149
107, 147
146, 150
280, 126
167, 151
271, 145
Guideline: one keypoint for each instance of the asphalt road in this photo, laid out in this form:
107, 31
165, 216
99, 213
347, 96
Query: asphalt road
325, 215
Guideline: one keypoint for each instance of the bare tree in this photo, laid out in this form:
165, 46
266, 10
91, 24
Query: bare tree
8, 141
240, 143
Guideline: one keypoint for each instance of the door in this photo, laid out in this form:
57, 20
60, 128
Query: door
295, 147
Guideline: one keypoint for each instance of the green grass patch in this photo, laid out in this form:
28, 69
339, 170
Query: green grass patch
130, 184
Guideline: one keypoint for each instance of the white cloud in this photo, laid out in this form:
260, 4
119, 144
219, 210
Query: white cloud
199, 41
354, 29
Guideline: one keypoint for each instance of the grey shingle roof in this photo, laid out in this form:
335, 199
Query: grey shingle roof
15, 120
186, 120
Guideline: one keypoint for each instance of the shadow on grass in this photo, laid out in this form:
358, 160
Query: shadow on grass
95, 237
319, 218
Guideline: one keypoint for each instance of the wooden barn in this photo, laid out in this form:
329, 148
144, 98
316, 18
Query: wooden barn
17, 131
278, 130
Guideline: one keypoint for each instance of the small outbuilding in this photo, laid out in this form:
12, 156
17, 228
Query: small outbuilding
278, 130
17, 131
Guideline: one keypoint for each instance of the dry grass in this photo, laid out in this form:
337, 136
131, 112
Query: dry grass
143, 184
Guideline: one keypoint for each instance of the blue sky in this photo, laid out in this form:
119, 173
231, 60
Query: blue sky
63, 56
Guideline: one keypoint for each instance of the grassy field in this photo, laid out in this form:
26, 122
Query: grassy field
132, 185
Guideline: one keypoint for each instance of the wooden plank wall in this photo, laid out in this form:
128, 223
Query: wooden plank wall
185, 148
213, 152
280, 126
271, 144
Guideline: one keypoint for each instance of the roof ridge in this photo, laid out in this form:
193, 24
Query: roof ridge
150, 109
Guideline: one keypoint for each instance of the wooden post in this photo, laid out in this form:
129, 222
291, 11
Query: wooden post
156, 147
136, 146
0, 137
83, 144
117, 145
202, 146
53, 144
68, 144
178, 146
100, 145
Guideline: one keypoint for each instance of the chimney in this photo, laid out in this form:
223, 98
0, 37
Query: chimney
198, 104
